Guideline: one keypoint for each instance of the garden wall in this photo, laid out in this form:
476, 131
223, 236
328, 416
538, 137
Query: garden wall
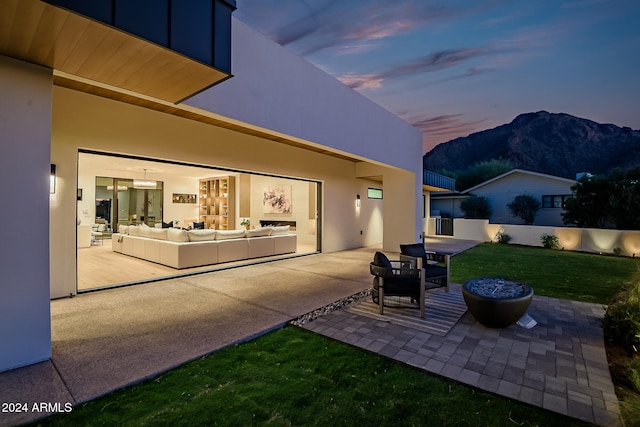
570, 238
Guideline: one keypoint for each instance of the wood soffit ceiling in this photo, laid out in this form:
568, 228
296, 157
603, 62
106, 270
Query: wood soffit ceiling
40, 33
121, 65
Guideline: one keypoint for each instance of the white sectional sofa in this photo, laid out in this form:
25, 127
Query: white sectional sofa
183, 249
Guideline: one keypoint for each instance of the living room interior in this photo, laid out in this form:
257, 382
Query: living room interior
116, 191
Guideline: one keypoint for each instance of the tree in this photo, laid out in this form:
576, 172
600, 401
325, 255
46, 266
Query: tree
475, 207
588, 206
525, 207
624, 199
600, 201
478, 173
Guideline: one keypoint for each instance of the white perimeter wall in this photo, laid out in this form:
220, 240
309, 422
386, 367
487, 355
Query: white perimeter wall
25, 134
569, 238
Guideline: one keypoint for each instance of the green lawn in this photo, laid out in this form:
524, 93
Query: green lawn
558, 274
295, 377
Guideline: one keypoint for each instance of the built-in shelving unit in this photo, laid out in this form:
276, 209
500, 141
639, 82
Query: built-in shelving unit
217, 202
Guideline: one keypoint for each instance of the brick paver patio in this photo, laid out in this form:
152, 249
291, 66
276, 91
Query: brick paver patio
560, 364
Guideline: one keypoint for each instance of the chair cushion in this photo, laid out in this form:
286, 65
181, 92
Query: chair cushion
413, 249
229, 234
202, 235
432, 271
381, 260
280, 230
258, 232
177, 235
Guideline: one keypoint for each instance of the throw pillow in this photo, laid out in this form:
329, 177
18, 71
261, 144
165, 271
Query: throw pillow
198, 225
167, 224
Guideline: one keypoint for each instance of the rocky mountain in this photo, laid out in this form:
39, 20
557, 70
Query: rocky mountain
556, 144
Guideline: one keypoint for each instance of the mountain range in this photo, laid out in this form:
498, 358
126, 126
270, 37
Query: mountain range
552, 143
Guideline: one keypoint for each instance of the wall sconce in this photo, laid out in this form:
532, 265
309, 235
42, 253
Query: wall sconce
52, 180
357, 201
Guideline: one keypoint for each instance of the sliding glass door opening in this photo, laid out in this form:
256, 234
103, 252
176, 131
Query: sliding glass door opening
119, 192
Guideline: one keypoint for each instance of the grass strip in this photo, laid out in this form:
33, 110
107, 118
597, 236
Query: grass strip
559, 274
294, 377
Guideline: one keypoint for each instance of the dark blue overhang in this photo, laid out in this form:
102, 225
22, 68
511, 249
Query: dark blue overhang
436, 182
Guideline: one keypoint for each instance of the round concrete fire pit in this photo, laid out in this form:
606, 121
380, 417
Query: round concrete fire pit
496, 302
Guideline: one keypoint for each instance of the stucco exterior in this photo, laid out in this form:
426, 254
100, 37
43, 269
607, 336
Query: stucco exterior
25, 137
272, 91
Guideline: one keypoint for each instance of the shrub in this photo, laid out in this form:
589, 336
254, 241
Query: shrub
634, 373
525, 207
475, 207
621, 322
550, 241
630, 407
502, 237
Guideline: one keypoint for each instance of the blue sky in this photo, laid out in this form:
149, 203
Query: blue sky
456, 67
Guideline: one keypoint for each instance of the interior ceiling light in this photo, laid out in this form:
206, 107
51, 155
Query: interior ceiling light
144, 184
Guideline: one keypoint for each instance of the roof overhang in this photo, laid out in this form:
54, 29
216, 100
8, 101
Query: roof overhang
432, 189
188, 112
43, 34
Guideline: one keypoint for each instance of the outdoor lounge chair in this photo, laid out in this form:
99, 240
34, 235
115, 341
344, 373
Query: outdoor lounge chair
403, 278
436, 264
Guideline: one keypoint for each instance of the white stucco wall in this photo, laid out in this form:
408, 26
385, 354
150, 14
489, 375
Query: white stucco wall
25, 132
274, 89
296, 98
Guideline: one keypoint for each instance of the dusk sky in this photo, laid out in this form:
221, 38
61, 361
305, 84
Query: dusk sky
456, 67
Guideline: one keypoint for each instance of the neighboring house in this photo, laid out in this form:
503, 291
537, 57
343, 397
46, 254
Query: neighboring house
83, 79
549, 190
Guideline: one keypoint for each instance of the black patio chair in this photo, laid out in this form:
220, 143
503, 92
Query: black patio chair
436, 265
404, 278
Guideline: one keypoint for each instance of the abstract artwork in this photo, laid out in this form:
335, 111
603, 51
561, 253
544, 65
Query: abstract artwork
277, 199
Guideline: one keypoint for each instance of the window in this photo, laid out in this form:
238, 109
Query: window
554, 201
374, 193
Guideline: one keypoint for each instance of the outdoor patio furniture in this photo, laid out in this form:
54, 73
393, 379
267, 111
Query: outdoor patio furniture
402, 279
436, 264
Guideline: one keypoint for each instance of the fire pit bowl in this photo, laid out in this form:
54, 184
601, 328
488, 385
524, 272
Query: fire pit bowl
496, 302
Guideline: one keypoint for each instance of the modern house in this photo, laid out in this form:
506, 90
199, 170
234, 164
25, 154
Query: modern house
549, 190
97, 95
